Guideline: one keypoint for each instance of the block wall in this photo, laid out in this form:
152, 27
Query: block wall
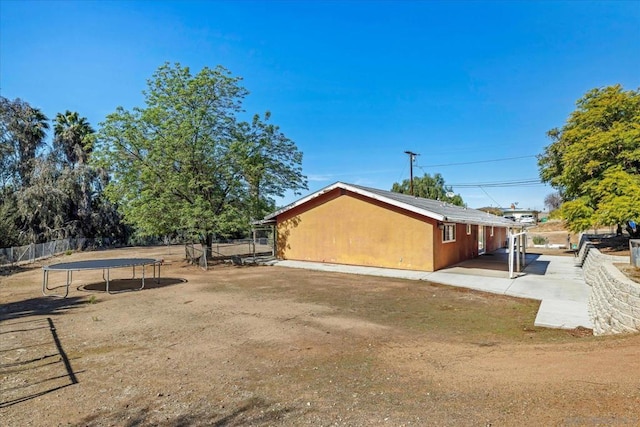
614, 303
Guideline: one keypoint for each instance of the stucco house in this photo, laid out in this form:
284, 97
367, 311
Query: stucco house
355, 225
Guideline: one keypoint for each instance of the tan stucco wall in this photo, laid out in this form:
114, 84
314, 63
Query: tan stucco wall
344, 228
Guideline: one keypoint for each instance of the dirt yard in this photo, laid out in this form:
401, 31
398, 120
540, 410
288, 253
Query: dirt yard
274, 346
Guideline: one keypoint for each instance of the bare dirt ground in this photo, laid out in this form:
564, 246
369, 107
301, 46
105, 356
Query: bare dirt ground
275, 346
555, 234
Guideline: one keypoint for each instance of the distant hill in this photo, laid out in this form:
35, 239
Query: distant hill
492, 210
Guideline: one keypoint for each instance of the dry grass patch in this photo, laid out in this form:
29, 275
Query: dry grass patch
442, 312
276, 346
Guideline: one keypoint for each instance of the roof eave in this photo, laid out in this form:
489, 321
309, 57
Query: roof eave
423, 212
362, 192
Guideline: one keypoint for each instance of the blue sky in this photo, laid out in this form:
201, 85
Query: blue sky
354, 84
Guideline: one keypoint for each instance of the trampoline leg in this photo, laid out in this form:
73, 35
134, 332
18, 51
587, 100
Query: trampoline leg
107, 286
69, 279
45, 277
45, 285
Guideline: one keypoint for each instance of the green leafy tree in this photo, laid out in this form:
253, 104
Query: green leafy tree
42, 206
594, 159
22, 129
9, 231
50, 193
270, 163
429, 187
22, 133
183, 164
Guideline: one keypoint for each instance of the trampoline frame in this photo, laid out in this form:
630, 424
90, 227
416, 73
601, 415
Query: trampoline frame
99, 264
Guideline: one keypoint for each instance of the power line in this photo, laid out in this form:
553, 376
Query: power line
494, 200
519, 183
476, 162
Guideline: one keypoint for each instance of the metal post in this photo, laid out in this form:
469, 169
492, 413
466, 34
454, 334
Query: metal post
524, 250
518, 254
510, 243
274, 237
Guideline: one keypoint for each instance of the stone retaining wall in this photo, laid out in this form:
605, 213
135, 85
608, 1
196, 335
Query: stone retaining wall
614, 303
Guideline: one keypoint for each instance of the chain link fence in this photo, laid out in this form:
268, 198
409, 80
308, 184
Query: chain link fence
36, 251
195, 255
220, 250
238, 251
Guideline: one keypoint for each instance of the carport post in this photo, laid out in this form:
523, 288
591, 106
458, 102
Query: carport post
510, 242
524, 249
514, 251
518, 254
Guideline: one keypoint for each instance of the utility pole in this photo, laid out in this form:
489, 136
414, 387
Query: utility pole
412, 157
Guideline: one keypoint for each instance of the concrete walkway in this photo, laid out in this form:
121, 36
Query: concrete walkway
554, 280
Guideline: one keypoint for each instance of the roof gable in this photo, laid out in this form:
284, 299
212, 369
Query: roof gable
434, 209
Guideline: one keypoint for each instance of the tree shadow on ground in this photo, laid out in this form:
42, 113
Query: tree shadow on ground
40, 306
38, 362
253, 412
498, 261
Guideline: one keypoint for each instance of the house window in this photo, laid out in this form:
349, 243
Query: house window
449, 233
492, 231
468, 229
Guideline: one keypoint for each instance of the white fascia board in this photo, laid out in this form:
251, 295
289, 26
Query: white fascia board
356, 190
304, 200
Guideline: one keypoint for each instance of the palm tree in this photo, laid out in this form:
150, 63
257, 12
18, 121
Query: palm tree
73, 137
73, 143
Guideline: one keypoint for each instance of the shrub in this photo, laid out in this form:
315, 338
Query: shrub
539, 240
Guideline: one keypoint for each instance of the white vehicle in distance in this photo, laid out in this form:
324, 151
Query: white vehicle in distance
527, 219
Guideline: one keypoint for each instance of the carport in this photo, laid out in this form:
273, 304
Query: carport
517, 251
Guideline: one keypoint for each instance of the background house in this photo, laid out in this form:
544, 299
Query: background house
351, 224
518, 214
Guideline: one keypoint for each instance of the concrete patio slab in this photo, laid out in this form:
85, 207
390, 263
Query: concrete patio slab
563, 314
554, 280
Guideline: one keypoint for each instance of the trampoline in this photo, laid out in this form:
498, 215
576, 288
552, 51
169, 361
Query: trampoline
99, 264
